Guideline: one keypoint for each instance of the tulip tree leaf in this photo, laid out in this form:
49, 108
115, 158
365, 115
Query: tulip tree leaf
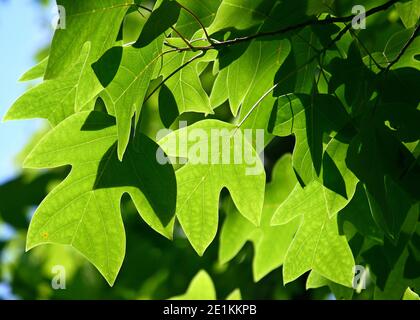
249, 82
35, 72
410, 295
58, 98
252, 74
396, 43
409, 12
311, 118
205, 11
270, 242
200, 288
83, 211
288, 89
164, 15
317, 244
315, 280
85, 21
201, 180
240, 14
266, 15
185, 85
393, 48
297, 74
127, 90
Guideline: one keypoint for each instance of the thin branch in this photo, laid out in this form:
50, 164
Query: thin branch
327, 21
217, 44
366, 50
167, 44
226, 43
172, 28
184, 39
196, 18
173, 73
333, 41
404, 49
214, 44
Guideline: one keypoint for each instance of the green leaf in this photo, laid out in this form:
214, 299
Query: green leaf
35, 72
83, 211
234, 295
359, 213
252, 74
265, 15
297, 74
311, 119
317, 244
315, 280
410, 295
248, 83
164, 15
185, 84
396, 43
389, 172
240, 14
125, 94
409, 12
353, 94
208, 171
200, 288
58, 98
219, 94
205, 11
393, 49
391, 265
270, 242
85, 21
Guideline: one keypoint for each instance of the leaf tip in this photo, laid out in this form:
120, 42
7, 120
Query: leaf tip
6, 117
257, 276
200, 250
28, 162
110, 280
29, 245
275, 219
120, 151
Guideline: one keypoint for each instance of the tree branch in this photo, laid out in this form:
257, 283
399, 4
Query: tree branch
336, 38
313, 22
217, 44
173, 73
366, 50
327, 21
404, 49
172, 28
210, 40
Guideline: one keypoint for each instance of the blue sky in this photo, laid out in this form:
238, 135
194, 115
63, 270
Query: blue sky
24, 29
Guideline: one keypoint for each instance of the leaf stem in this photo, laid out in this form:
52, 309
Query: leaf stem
190, 46
173, 73
336, 38
196, 18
